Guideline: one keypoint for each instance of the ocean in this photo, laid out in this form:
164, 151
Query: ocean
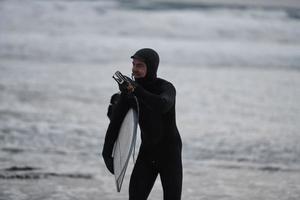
235, 65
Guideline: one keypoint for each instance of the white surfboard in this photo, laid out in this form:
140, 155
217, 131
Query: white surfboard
124, 146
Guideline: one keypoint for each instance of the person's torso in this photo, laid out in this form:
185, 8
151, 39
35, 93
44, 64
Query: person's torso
158, 129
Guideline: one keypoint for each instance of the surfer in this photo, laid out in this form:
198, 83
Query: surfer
161, 146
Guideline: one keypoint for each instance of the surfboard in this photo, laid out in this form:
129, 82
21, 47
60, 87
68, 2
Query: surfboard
124, 146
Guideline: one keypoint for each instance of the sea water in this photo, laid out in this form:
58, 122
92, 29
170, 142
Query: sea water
235, 66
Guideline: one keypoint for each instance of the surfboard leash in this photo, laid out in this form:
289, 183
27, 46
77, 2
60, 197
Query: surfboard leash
138, 114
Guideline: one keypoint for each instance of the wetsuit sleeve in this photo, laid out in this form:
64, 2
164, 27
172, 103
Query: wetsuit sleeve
159, 102
113, 128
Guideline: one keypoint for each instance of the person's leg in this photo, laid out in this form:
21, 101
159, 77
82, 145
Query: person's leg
142, 180
171, 179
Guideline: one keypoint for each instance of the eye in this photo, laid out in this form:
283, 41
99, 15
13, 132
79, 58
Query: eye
139, 65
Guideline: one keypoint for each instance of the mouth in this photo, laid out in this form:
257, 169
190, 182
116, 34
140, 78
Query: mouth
135, 75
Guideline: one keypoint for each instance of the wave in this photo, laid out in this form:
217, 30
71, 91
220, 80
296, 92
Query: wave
29, 172
293, 14
40, 175
292, 10
232, 165
24, 168
269, 36
50, 151
206, 4
12, 150
266, 168
257, 162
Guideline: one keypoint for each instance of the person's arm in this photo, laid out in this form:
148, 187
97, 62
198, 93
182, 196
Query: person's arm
113, 130
159, 102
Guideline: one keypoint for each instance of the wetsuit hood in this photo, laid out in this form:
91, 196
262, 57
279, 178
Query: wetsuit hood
151, 59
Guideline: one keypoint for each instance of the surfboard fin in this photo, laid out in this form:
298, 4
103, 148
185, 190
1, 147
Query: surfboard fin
119, 77
125, 83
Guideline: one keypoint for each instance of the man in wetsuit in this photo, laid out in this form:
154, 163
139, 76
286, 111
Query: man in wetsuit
160, 150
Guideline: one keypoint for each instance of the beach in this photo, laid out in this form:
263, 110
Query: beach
236, 73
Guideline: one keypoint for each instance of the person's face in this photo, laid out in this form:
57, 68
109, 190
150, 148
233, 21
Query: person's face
139, 68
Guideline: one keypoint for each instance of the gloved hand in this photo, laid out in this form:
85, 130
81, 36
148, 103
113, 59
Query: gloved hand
128, 86
109, 162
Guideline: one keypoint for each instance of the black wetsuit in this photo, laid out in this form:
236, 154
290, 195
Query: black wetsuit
160, 151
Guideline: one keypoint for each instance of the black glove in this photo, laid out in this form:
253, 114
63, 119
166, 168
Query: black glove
112, 105
123, 87
109, 162
128, 86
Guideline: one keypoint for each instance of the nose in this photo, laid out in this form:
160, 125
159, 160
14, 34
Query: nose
134, 69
